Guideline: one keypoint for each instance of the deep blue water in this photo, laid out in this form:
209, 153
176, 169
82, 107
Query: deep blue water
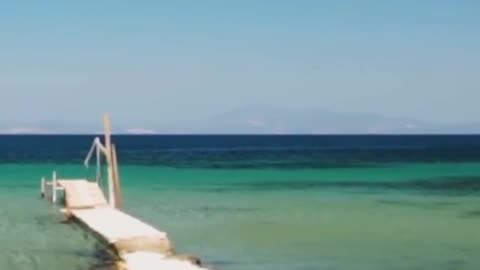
248, 151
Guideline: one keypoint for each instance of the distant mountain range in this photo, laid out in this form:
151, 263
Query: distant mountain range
258, 119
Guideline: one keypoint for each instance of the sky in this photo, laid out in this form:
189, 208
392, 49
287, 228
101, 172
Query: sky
151, 63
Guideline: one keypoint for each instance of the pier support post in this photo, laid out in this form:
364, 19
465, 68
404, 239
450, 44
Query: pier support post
116, 179
108, 149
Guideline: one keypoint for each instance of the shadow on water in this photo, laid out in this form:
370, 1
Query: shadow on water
101, 258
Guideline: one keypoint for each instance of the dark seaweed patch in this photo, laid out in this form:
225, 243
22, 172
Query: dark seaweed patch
397, 202
456, 264
424, 205
446, 185
226, 209
470, 183
42, 221
471, 214
11, 185
219, 263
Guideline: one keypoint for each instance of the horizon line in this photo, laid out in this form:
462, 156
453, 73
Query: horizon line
245, 134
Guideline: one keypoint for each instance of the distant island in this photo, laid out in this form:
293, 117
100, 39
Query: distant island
263, 119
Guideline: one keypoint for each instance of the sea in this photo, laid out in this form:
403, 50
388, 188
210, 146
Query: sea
259, 202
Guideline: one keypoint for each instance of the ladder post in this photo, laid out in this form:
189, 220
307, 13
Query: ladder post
54, 187
98, 169
42, 187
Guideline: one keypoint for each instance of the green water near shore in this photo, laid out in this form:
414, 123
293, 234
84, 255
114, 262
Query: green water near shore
400, 216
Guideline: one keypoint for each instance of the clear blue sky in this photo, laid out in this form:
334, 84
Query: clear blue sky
156, 62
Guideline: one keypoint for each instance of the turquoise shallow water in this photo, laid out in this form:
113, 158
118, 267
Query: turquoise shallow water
392, 216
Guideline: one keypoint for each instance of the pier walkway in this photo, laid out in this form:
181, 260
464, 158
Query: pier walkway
135, 244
